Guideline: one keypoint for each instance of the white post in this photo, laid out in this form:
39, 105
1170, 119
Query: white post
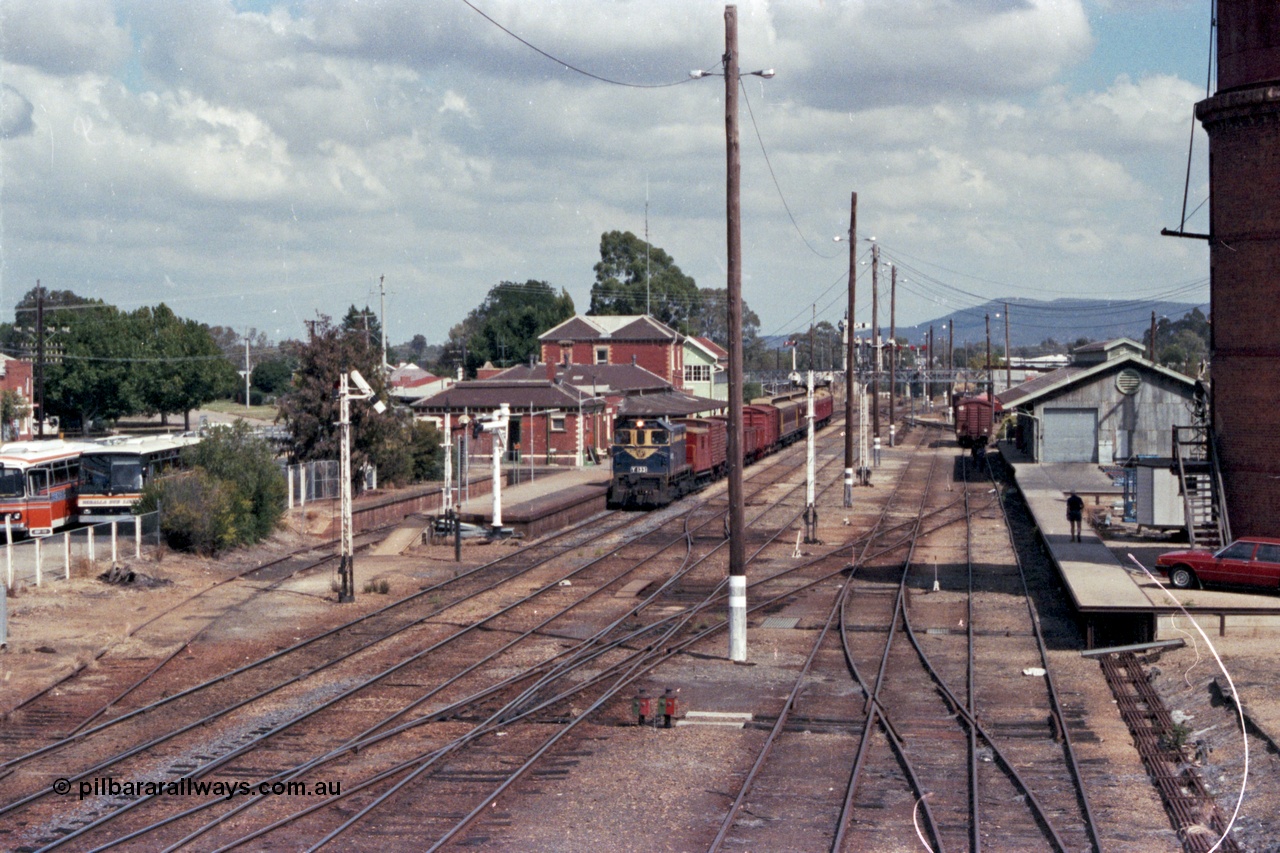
346, 548
38, 566
137, 537
66, 554
92, 557
8, 548
302, 485
446, 502
289, 476
809, 450
115, 550
499, 436
737, 617
579, 436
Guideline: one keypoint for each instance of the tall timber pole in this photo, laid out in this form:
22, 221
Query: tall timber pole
875, 339
850, 385
737, 525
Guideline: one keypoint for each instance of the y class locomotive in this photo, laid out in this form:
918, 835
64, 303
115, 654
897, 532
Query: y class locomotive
657, 460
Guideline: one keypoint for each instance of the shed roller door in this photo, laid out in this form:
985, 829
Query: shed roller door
1070, 435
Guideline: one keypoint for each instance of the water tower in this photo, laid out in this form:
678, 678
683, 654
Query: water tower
1242, 120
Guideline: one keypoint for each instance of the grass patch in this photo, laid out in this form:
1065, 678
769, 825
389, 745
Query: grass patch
231, 407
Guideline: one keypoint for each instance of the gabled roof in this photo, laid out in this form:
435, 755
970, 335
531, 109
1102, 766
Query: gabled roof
410, 376
1096, 351
674, 403
583, 327
592, 379
710, 347
1049, 383
486, 394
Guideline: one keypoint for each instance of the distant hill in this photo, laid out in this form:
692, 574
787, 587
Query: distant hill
1033, 321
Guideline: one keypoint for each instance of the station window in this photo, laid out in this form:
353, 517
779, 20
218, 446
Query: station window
557, 423
697, 373
602, 355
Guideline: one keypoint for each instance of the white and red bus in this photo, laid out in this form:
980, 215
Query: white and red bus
114, 471
38, 484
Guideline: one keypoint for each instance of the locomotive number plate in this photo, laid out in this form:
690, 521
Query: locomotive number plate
639, 469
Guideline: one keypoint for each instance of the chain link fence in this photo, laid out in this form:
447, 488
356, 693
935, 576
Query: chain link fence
312, 481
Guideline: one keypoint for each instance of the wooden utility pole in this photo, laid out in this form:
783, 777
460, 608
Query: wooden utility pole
1152, 350
928, 388
850, 358
737, 525
951, 360
1008, 355
893, 350
875, 340
40, 419
991, 382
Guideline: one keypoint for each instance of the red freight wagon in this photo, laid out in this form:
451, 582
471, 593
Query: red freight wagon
706, 442
763, 420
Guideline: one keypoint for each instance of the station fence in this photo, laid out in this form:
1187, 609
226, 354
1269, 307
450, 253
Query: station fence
84, 552
312, 481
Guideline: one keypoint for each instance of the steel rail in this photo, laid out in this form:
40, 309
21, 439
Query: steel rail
207, 768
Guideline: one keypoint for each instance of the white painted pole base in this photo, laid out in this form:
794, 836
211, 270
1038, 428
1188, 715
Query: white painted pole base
848, 487
737, 618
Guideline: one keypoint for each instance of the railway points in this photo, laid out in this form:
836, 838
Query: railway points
610, 779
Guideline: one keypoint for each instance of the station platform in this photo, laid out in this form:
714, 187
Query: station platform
551, 500
1116, 600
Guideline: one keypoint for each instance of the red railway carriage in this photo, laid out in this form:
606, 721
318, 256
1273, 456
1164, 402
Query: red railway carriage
791, 410
706, 446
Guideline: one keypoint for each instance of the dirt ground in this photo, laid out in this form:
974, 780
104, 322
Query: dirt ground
64, 625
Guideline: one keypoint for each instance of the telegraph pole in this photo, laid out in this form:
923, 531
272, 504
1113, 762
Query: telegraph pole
737, 525
893, 349
991, 382
1008, 356
875, 340
40, 357
382, 308
850, 361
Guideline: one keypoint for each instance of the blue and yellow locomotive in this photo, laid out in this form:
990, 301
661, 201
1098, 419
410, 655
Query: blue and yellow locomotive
650, 467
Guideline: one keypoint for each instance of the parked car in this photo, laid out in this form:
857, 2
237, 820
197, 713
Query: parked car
1251, 561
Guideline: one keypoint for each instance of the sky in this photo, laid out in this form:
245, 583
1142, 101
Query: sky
256, 164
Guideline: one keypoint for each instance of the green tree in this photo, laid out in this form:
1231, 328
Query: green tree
180, 365
712, 318
1181, 344
635, 277
274, 375
92, 375
310, 408
364, 322
504, 329
13, 408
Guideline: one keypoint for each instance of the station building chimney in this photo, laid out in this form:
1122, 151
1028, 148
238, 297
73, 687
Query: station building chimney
1242, 120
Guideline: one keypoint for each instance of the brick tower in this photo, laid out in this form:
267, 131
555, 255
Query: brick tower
1242, 120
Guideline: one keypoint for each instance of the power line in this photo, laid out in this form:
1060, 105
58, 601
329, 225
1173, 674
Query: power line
567, 65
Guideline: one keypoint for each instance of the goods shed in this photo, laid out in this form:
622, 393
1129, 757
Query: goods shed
1109, 405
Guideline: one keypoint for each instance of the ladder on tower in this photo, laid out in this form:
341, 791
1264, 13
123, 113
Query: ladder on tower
1200, 480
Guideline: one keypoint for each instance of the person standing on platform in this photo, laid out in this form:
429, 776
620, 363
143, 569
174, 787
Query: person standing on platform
1075, 514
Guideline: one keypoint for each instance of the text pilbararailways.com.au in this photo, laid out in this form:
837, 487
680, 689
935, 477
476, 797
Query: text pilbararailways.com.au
109, 786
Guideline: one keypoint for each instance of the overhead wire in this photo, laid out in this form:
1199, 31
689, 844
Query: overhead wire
570, 66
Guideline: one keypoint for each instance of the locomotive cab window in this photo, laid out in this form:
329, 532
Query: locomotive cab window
624, 436
659, 437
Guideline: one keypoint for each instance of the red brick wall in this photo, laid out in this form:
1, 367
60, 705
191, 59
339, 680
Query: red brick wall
1244, 150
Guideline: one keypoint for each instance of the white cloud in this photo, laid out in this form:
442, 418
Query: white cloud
284, 160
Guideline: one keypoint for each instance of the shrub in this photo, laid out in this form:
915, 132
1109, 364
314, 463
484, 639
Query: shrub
233, 494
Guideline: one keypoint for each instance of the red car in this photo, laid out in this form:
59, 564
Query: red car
1245, 562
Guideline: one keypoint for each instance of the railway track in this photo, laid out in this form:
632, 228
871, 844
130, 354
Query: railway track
940, 753
279, 683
